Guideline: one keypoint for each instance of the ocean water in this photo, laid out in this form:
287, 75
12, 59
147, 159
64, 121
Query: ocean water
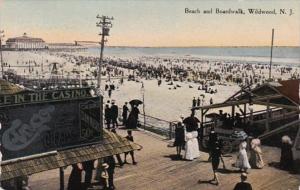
281, 55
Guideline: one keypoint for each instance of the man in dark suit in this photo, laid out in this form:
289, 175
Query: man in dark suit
107, 116
114, 114
110, 170
88, 167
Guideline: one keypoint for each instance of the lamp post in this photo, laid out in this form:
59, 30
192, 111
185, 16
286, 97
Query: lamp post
143, 95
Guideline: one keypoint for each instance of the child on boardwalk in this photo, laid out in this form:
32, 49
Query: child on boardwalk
242, 161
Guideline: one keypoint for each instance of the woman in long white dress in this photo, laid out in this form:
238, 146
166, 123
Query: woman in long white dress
191, 145
191, 134
242, 161
256, 160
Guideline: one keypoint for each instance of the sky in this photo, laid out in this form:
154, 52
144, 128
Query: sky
152, 23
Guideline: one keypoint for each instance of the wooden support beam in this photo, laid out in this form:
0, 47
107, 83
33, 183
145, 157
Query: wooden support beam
232, 111
239, 92
268, 116
205, 111
230, 103
240, 109
276, 105
202, 116
244, 114
62, 178
288, 125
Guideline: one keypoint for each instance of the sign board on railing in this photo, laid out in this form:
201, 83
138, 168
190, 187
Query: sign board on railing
43, 121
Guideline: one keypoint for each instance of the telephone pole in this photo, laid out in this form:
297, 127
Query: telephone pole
270, 68
105, 25
1, 56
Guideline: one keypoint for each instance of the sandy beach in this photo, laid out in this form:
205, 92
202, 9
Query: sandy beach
166, 101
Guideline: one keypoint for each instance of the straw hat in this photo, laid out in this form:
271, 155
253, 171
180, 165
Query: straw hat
286, 139
244, 175
255, 142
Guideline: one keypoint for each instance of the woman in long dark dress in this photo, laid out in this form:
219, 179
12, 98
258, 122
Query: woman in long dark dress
179, 138
75, 178
133, 117
286, 159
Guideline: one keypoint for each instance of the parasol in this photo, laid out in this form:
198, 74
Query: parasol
191, 123
135, 102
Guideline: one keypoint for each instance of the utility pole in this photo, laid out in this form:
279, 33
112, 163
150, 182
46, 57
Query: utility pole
1, 56
105, 25
270, 69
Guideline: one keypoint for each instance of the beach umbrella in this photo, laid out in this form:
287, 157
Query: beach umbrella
135, 102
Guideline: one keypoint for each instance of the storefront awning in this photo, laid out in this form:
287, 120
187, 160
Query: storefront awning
110, 145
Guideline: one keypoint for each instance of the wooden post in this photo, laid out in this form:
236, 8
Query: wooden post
144, 110
232, 111
61, 178
245, 107
201, 124
267, 116
170, 131
201, 115
143, 93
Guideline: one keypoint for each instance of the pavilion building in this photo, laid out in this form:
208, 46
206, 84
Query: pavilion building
25, 43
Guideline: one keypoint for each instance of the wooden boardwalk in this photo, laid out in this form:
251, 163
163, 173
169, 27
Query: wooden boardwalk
157, 171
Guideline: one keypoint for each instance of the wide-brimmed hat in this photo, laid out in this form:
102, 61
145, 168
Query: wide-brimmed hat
255, 142
286, 139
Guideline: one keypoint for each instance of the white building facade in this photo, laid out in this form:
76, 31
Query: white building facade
25, 43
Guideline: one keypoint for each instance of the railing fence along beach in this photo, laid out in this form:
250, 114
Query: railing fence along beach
155, 125
167, 128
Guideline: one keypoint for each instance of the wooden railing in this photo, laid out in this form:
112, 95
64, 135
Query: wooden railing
167, 128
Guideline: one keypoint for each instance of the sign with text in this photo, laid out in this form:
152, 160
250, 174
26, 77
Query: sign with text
38, 122
28, 97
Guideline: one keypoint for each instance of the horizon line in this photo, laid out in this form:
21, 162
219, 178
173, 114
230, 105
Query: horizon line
196, 46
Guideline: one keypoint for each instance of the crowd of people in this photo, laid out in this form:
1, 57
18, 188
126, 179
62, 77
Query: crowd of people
181, 69
104, 174
187, 135
105, 168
